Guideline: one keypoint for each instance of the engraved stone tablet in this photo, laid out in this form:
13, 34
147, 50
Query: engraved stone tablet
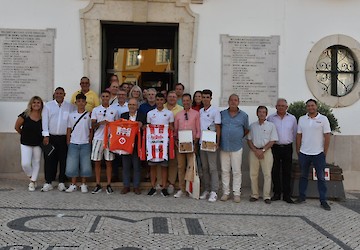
250, 69
26, 63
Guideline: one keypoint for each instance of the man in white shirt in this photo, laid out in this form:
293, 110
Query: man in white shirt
286, 126
262, 136
100, 116
210, 119
312, 144
159, 116
121, 106
54, 125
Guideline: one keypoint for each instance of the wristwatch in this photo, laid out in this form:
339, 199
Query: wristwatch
263, 149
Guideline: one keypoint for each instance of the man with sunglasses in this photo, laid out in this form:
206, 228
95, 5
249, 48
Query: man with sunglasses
92, 99
187, 119
100, 116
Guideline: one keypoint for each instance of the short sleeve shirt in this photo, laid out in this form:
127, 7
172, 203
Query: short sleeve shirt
30, 131
160, 117
262, 134
100, 113
81, 132
209, 117
313, 130
232, 130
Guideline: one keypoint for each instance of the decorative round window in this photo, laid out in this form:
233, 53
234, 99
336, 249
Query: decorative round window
336, 70
331, 70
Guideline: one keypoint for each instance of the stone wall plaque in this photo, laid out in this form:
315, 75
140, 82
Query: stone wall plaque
26, 64
250, 69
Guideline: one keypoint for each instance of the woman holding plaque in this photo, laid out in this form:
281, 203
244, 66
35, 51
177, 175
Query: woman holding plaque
28, 125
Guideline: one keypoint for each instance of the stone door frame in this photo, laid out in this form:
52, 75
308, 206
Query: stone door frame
139, 11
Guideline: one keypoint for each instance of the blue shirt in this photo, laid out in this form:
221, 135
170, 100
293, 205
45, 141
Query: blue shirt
146, 107
232, 130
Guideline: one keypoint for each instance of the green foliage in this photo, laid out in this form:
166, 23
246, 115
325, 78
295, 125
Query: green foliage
299, 109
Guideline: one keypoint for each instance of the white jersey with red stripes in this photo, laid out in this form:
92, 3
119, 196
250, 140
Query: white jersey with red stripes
157, 140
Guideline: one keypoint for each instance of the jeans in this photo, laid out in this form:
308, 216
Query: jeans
78, 154
133, 161
319, 164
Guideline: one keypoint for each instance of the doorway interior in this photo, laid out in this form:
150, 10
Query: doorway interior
145, 54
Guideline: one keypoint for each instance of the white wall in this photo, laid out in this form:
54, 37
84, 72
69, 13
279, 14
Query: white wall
300, 25
62, 15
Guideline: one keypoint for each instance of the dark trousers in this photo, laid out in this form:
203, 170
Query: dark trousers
319, 164
57, 157
131, 162
281, 171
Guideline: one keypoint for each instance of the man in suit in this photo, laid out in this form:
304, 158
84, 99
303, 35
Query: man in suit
132, 160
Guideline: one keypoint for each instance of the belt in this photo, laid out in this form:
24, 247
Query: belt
283, 145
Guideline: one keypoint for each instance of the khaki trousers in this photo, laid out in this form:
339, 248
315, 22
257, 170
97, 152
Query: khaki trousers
183, 159
266, 167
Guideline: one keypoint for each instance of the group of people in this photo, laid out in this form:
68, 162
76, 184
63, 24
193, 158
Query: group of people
76, 132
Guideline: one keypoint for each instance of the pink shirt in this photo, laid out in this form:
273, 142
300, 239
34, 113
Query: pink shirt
192, 122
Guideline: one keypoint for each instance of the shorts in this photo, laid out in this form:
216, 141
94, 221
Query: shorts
98, 151
164, 163
78, 155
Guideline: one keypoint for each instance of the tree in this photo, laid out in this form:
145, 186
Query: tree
299, 109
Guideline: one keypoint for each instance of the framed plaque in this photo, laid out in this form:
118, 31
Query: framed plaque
186, 144
208, 142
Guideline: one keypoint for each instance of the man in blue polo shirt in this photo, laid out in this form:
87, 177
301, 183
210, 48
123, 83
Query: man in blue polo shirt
234, 127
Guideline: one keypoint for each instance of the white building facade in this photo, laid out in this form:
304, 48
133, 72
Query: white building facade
303, 27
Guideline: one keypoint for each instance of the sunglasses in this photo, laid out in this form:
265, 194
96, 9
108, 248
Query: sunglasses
186, 116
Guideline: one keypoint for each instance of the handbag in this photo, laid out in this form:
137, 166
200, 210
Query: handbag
192, 179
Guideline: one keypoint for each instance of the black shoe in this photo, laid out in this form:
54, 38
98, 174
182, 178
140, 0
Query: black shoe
164, 192
253, 199
152, 192
267, 201
109, 190
97, 189
289, 200
325, 206
299, 201
276, 197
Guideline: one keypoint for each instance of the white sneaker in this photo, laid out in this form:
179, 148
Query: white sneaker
47, 187
213, 197
204, 195
179, 194
61, 187
71, 188
84, 188
170, 189
32, 186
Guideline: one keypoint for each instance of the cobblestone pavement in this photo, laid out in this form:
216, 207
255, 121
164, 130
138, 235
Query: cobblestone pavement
58, 220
